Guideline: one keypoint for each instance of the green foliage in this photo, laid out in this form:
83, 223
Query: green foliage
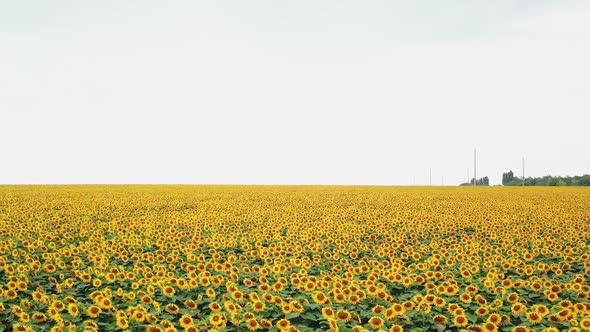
485, 181
508, 179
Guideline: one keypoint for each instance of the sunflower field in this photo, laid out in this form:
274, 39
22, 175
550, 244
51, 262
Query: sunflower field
294, 258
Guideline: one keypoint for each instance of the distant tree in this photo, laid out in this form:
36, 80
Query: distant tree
583, 180
485, 181
507, 178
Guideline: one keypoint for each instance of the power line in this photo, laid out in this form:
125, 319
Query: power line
523, 171
474, 167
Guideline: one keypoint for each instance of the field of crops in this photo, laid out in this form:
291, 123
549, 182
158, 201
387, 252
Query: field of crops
236, 258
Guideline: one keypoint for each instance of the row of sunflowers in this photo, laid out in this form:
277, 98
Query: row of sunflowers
294, 258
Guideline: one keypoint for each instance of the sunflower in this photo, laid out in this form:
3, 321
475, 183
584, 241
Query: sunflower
333, 325
460, 321
24, 328
541, 309
110, 277
424, 307
354, 299
398, 309
258, 306
215, 307
585, 324
297, 307
376, 322
458, 312
38, 317
90, 324
520, 328
440, 319
19, 311
551, 296
218, 320
253, 297
494, 319
343, 315
73, 310
105, 303
122, 323
396, 328
58, 305
172, 308
146, 300
150, 318
266, 323
440, 302
389, 313
378, 309
237, 295
138, 316
481, 311
37, 296
339, 298
24, 317
465, 298
93, 311
168, 291
283, 324
512, 297
328, 313
319, 297
563, 315
534, 317
286, 308
186, 321
489, 327
230, 307
252, 324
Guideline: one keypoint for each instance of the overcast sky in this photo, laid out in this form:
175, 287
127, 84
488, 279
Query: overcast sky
292, 92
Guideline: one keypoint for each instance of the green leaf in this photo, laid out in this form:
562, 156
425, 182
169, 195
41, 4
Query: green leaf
292, 315
418, 329
440, 327
309, 316
471, 317
344, 328
313, 306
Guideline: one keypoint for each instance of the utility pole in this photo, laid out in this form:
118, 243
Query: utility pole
430, 176
442, 180
523, 171
468, 178
474, 167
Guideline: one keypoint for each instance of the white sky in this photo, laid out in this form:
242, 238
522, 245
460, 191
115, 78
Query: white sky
292, 92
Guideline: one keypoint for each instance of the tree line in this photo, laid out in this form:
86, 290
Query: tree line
485, 181
508, 179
